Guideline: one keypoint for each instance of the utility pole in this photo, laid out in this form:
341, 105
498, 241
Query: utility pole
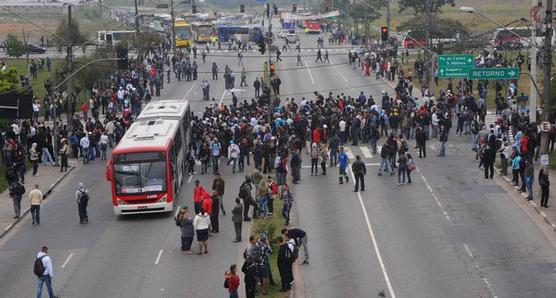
137, 45
547, 69
69, 67
388, 14
173, 41
533, 56
428, 13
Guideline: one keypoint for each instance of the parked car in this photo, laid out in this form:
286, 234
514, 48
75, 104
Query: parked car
292, 38
34, 49
283, 34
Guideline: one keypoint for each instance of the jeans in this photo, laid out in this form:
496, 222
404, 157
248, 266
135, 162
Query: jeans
286, 213
103, 148
35, 213
91, 153
529, 187
215, 163
233, 293
46, 157
385, 163
544, 195
17, 205
233, 161
263, 202
442, 151
401, 175
84, 153
42, 280
359, 181
35, 166
237, 228
315, 166
474, 140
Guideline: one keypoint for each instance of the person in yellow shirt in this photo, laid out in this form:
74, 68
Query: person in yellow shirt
35, 199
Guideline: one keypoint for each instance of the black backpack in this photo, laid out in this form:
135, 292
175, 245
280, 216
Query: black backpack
38, 267
84, 197
17, 189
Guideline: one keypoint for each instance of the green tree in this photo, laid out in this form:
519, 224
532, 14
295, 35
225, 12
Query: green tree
14, 46
76, 38
442, 28
422, 7
8, 79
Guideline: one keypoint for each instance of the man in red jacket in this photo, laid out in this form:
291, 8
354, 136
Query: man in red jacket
198, 194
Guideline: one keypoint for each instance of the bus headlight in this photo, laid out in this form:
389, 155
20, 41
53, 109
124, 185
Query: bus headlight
120, 202
163, 199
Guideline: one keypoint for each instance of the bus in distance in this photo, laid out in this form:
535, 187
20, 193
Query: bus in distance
183, 34
112, 38
202, 32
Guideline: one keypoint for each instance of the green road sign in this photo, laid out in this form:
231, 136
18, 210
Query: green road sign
453, 72
493, 73
455, 61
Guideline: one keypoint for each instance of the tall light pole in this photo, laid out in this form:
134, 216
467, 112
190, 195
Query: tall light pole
173, 27
547, 69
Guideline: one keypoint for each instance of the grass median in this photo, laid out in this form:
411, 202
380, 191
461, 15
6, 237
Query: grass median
271, 226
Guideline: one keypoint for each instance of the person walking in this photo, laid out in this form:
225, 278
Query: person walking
402, 169
299, 63
443, 139
359, 171
287, 201
44, 271
103, 141
64, 151
529, 179
16, 189
257, 86
202, 227
545, 186
300, 237
319, 56
82, 200
185, 222
233, 155
219, 186
232, 280
411, 166
85, 144
421, 139
34, 157
214, 200
237, 219
323, 158
343, 162
314, 159
284, 261
35, 199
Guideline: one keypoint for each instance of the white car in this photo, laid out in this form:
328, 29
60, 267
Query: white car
292, 38
283, 34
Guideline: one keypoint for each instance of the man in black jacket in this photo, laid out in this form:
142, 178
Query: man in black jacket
359, 171
421, 139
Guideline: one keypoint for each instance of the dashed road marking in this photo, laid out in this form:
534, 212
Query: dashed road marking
158, 257
189, 180
375, 245
310, 74
67, 260
366, 152
481, 274
436, 200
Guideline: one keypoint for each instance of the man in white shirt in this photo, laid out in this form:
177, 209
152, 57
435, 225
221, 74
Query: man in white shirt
233, 155
342, 127
103, 145
85, 143
47, 274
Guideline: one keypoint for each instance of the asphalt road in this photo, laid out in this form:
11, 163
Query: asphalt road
450, 234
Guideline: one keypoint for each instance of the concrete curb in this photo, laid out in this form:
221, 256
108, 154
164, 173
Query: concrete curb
532, 204
26, 211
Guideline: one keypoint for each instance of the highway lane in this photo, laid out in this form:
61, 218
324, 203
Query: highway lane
450, 234
122, 256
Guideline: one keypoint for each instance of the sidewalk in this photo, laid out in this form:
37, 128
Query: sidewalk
48, 177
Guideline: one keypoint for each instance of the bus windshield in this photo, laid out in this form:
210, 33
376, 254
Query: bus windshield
205, 30
140, 172
183, 32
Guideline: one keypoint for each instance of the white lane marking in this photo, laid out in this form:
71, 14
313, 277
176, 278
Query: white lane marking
158, 257
481, 274
367, 164
341, 75
434, 196
366, 152
310, 74
349, 153
373, 239
223, 95
67, 260
189, 180
192, 86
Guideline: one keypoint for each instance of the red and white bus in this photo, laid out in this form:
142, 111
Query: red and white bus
312, 26
142, 169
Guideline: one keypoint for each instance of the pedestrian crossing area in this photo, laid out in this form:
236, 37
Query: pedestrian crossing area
363, 151
291, 49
